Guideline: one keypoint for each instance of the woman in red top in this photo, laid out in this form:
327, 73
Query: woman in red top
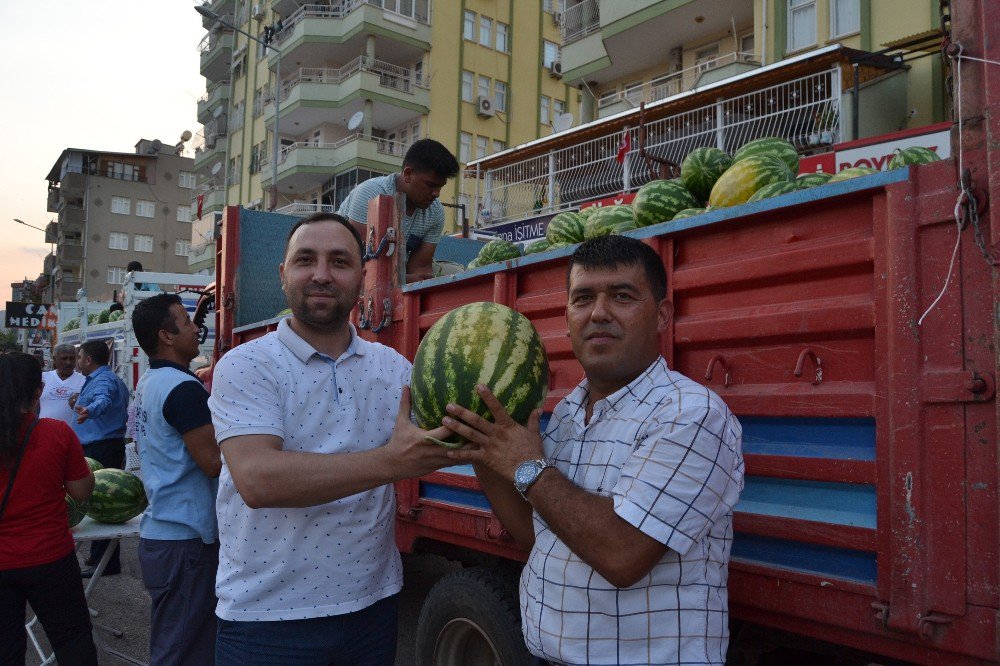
37, 560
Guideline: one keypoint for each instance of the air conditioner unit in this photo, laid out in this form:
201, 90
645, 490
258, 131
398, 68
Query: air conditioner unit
555, 69
258, 12
484, 107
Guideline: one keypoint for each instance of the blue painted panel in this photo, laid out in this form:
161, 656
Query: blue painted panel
460, 496
821, 501
841, 439
809, 558
262, 241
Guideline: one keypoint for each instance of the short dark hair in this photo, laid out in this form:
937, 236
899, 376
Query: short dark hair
151, 316
97, 350
20, 377
614, 251
134, 266
326, 217
431, 155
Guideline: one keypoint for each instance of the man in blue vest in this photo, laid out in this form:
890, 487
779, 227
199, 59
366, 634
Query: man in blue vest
180, 462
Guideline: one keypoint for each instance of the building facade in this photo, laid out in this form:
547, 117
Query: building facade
360, 81
114, 208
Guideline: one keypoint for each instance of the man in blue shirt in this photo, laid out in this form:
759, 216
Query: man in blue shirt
178, 536
102, 409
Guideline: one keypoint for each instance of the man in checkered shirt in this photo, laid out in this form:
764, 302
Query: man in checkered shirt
626, 499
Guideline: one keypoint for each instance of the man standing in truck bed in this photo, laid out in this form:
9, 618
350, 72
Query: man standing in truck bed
627, 500
427, 166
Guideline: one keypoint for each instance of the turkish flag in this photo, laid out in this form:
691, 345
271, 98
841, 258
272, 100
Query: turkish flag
624, 146
201, 200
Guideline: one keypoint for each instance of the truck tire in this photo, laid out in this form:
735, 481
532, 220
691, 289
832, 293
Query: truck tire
472, 616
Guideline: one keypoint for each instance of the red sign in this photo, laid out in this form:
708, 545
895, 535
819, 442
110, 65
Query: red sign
875, 152
616, 200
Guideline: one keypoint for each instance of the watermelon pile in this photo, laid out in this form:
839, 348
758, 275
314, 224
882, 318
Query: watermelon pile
495, 251
852, 172
660, 200
93, 464
912, 155
118, 497
701, 168
478, 343
609, 219
538, 246
567, 227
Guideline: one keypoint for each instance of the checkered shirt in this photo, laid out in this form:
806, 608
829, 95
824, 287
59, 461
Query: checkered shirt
667, 450
424, 223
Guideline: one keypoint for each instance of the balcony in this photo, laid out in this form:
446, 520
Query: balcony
213, 198
599, 38
52, 232
69, 254
668, 85
52, 200
216, 50
223, 8
71, 218
313, 35
210, 145
49, 263
307, 97
217, 97
72, 184
304, 166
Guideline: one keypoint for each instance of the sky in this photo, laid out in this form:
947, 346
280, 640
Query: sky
96, 74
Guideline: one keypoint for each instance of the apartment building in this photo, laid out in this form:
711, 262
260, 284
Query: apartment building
360, 81
114, 208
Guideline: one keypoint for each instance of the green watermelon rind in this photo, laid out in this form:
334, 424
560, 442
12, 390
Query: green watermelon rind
913, 155
498, 250
93, 464
604, 221
485, 343
770, 145
773, 190
566, 227
118, 497
745, 177
701, 168
537, 247
852, 172
688, 212
75, 511
806, 180
659, 200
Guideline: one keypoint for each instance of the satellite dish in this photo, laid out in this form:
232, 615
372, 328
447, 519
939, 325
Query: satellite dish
186, 135
156, 145
562, 121
217, 168
217, 112
356, 120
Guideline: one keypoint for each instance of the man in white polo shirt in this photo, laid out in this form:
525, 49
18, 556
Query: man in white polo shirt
314, 427
60, 383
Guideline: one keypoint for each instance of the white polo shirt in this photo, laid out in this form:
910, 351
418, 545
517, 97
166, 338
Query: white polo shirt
331, 559
54, 401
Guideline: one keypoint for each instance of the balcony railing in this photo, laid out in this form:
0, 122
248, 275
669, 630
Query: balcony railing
303, 208
390, 75
418, 11
213, 39
383, 146
580, 20
674, 83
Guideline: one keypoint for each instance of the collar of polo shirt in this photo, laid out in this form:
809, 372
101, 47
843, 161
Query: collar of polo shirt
304, 351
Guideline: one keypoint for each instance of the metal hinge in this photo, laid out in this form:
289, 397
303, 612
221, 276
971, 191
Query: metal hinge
963, 386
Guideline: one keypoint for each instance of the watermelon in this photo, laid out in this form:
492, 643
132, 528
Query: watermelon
604, 221
627, 225
75, 511
93, 464
473, 264
912, 155
478, 343
659, 200
566, 227
852, 172
807, 180
538, 246
773, 190
116, 315
118, 496
498, 250
103, 317
745, 177
701, 168
688, 212
770, 145
588, 211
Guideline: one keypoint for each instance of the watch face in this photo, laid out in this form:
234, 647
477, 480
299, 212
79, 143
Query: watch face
525, 473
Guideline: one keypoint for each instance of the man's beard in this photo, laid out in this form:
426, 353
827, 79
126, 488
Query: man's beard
325, 319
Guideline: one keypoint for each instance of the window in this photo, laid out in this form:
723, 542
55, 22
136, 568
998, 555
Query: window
184, 213
543, 110
467, 77
469, 26
116, 274
117, 241
464, 146
499, 95
482, 145
551, 6
143, 243
801, 24
746, 48
121, 171
185, 179
558, 107
182, 248
145, 208
485, 31
418, 72
845, 17
484, 86
415, 131
121, 205
550, 53
499, 146
502, 37
607, 97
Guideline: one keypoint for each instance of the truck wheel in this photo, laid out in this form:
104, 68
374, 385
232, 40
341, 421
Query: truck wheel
472, 616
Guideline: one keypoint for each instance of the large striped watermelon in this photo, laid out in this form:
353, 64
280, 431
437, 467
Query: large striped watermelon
478, 343
75, 511
745, 177
807, 180
773, 190
701, 168
566, 227
688, 212
498, 250
852, 172
118, 496
913, 155
93, 464
604, 221
659, 200
770, 145
538, 246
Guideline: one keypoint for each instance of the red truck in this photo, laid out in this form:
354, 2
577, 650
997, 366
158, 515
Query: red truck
870, 519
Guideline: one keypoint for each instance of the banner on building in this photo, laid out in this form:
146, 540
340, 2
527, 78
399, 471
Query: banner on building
42, 320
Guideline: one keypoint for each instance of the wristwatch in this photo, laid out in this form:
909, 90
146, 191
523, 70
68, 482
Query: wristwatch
527, 473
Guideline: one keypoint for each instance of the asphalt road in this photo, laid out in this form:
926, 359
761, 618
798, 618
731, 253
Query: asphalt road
122, 602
